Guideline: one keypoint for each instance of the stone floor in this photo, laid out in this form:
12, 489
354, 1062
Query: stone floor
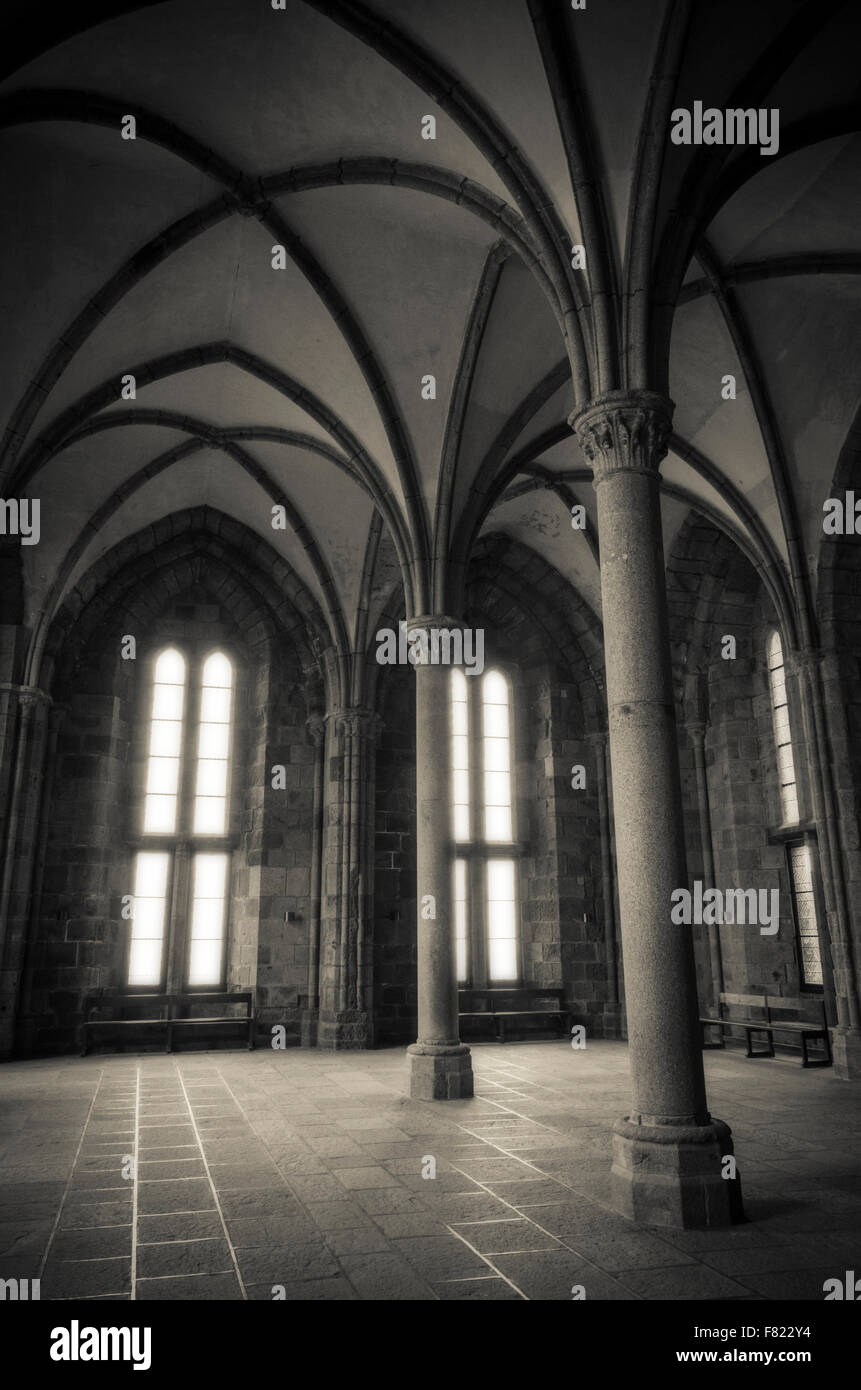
304, 1170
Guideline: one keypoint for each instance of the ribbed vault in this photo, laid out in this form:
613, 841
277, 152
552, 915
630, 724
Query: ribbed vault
305, 387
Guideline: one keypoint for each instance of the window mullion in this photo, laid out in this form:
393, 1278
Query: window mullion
178, 921
478, 920
180, 908
475, 863
189, 758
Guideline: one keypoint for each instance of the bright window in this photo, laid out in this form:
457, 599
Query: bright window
460, 753
460, 876
782, 731
502, 919
487, 932
209, 889
152, 872
213, 746
165, 743
806, 924
497, 766
186, 808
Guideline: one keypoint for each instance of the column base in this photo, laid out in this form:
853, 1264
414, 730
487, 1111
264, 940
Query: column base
440, 1071
347, 1030
670, 1175
846, 1051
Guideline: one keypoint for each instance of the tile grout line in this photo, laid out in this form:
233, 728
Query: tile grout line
67, 1188
482, 1140
521, 1217
550, 1178
507, 1153
133, 1293
490, 1265
304, 1205
215, 1197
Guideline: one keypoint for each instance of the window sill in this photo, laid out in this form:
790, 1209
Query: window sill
802, 830
158, 841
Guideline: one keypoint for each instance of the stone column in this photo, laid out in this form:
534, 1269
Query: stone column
347, 1024
697, 733
440, 1064
598, 742
667, 1153
21, 834
371, 733
25, 1021
316, 726
27, 699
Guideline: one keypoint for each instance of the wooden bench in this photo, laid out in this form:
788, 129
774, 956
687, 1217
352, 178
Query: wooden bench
501, 1005
761, 1016
167, 1012
809, 1023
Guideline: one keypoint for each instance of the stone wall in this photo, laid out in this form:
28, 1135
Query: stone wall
79, 940
549, 644
556, 706
713, 594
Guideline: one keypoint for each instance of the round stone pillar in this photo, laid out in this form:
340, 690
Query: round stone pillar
697, 734
612, 1013
440, 1065
316, 726
668, 1154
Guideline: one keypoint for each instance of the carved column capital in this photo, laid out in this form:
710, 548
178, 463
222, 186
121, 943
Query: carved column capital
359, 723
696, 731
28, 696
805, 661
427, 621
624, 431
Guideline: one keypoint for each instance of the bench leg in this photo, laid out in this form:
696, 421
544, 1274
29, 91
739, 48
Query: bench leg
168, 1046
251, 1035
750, 1053
500, 1028
807, 1060
708, 1045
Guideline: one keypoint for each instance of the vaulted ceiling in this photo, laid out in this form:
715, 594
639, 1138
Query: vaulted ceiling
408, 257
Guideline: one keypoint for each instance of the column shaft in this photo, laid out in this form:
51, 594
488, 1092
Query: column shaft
317, 729
698, 743
599, 743
343, 1020
440, 1064
667, 1069
667, 1152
